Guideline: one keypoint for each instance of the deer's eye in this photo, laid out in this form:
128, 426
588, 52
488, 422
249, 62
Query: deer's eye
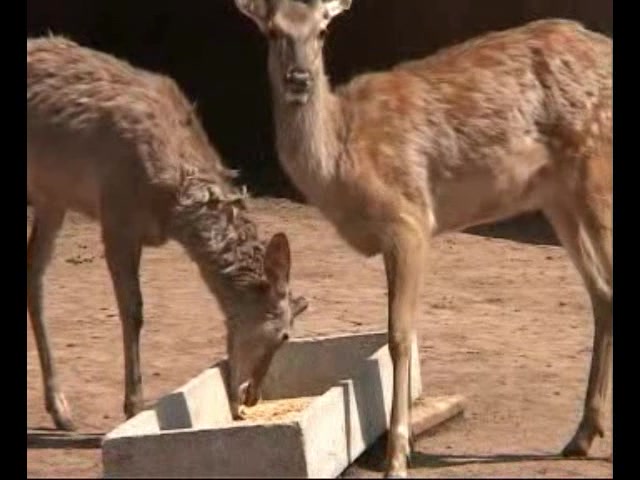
322, 34
273, 33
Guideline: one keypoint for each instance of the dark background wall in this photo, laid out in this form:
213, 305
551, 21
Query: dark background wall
219, 58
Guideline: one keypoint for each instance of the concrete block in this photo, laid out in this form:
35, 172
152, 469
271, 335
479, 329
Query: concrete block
190, 433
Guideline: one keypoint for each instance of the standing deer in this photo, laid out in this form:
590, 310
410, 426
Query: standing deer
125, 147
506, 123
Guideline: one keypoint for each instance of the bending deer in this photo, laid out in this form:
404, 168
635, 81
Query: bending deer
509, 122
125, 147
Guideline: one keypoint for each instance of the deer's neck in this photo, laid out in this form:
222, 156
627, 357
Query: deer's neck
308, 138
229, 254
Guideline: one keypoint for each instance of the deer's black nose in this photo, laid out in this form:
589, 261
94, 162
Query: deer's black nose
299, 77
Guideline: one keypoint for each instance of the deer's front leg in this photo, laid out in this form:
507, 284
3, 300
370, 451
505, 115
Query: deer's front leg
122, 252
404, 264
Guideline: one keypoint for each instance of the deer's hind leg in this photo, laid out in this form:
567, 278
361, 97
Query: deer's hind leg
46, 225
584, 227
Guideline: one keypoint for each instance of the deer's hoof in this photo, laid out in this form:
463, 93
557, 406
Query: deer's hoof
396, 475
576, 448
60, 412
64, 423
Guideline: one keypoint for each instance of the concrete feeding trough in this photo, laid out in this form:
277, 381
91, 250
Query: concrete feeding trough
347, 384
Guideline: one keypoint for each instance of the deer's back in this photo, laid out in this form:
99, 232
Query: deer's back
549, 71
95, 122
545, 73
483, 119
76, 91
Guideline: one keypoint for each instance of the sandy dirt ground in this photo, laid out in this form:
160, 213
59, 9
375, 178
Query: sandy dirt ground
507, 324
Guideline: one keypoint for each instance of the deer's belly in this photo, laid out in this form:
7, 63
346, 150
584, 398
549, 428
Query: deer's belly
365, 243
68, 189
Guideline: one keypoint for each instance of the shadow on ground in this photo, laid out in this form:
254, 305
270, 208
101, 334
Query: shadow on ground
374, 458
420, 459
50, 438
532, 228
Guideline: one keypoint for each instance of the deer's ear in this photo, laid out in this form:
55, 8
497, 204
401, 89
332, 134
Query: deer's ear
277, 262
335, 7
298, 305
231, 213
257, 10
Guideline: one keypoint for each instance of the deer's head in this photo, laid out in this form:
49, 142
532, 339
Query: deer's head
249, 279
296, 32
261, 324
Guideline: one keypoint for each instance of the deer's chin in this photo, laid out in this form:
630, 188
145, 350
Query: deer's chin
248, 394
296, 97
